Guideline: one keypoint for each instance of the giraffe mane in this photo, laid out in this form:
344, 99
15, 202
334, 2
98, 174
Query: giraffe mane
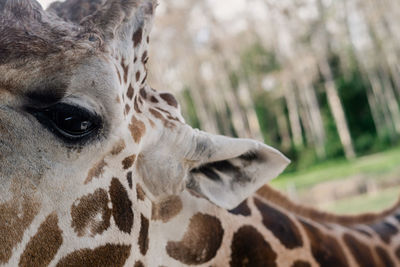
273, 196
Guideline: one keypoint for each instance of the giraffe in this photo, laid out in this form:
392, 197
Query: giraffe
99, 169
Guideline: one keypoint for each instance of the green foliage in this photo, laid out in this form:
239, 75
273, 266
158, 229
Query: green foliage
191, 114
304, 158
333, 146
266, 118
258, 60
353, 93
234, 80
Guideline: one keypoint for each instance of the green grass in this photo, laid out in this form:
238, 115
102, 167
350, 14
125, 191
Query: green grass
376, 166
383, 166
365, 203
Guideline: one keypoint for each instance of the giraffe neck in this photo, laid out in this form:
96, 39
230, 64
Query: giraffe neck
266, 232
186, 230
363, 240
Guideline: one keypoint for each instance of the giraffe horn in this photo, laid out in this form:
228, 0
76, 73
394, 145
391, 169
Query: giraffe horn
22, 9
75, 10
115, 13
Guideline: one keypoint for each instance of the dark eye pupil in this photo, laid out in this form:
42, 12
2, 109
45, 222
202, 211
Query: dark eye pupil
71, 121
72, 124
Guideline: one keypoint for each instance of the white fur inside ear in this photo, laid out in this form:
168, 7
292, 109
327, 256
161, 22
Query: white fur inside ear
235, 171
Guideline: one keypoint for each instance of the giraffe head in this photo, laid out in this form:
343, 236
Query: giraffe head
74, 97
78, 119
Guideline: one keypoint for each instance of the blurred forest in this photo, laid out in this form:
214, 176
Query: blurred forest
318, 79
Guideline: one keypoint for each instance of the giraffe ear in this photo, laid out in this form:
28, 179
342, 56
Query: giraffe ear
221, 169
229, 170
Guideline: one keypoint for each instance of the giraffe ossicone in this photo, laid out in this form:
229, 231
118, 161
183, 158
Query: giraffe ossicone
99, 169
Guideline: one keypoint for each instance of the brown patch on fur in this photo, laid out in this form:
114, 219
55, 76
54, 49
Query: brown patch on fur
143, 93
96, 171
145, 58
145, 77
249, 248
173, 118
280, 225
299, 263
108, 255
136, 106
137, 37
325, 248
137, 76
164, 111
384, 230
129, 179
154, 100
137, 129
361, 252
140, 193
84, 214
274, 196
143, 240
159, 116
44, 245
166, 209
128, 162
152, 124
170, 99
138, 264
201, 241
118, 147
122, 206
243, 209
118, 99
361, 231
125, 68
140, 101
130, 91
15, 217
384, 257
127, 109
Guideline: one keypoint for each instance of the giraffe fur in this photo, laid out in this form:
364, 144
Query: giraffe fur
99, 169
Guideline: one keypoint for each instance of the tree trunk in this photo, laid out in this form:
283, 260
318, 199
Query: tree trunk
293, 110
335, 104
336, 108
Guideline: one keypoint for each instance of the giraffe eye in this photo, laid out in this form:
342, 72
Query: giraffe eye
70, 122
